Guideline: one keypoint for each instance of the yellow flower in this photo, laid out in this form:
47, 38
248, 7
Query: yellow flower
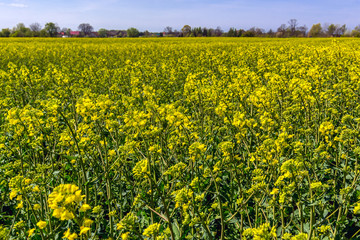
19, 225
57, 212
300, 236
12, 194
274, 191
31, 232
66, 215
78, 196
67, 233
27, 181
141, 168
112, 152
315, 185
112, 213
71, 188
87, 222
84, 230
84, 207
287, 236
70, 236
152, 229
125, 236
37, 207
20, 205
73, 236
65, 194
69, 199
357, 208
41, 224
97, 209
36, 189
119, 226
324, 229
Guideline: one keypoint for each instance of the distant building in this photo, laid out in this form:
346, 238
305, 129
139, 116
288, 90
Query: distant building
80, 34
112, 33
167, 34
116, 33
94, 34
75, 33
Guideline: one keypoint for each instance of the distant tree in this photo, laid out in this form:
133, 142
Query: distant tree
340, 30
293, 23
281, 31
249, 33
28, 33
330, 30
146, 33
254, 32
205, 32
133, 32
52, 29
356, 31
15, 34
5, 32
240, 32
333, 30
218, 32
102, 32
35, 27
197, 32
168, 30
186, 31
176, 33
316, 30
21, 31
232, 32
270, 33
44, 33
211, 32
121, 33
302, 31
20, 27
85, 28
259, 32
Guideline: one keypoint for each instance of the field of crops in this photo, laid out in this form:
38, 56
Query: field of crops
179, 139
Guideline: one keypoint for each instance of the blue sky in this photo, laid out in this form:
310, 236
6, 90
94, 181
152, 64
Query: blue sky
155, 15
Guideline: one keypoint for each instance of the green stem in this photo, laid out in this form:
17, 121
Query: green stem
79, 152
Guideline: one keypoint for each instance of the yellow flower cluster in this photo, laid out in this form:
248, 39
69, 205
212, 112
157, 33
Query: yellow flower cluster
141, 168
153, 229
263, 232
63, 198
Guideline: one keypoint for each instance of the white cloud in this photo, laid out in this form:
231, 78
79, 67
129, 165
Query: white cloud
18, 5
14, 4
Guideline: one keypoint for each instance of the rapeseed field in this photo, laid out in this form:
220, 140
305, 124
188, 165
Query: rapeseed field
179, 138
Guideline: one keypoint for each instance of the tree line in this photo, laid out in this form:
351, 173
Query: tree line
291, 29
